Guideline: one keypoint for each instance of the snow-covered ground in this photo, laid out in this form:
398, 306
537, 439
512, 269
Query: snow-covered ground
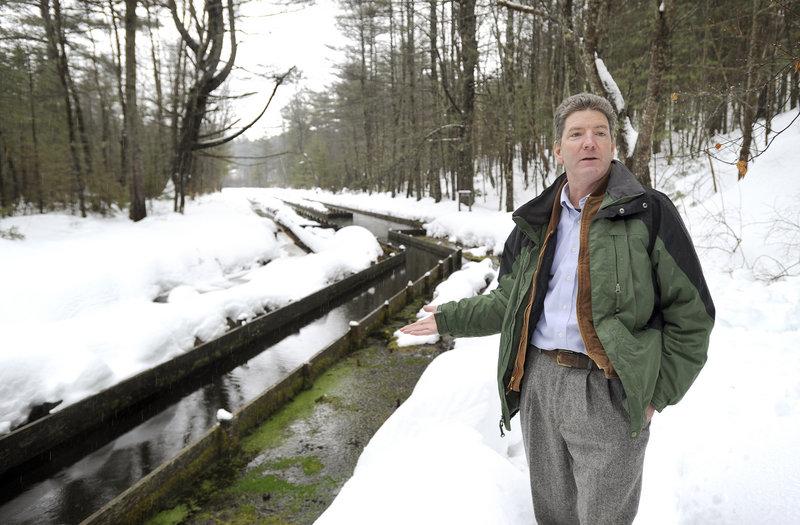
78, 314
87, 303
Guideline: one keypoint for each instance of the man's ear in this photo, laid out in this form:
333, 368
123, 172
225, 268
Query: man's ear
557, 152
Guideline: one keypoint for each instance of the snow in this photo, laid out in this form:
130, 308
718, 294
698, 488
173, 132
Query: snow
224, 415
467, 282
79, 310
78, 314
610, 85
614, 95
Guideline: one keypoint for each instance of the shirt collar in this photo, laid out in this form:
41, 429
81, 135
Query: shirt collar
566, 203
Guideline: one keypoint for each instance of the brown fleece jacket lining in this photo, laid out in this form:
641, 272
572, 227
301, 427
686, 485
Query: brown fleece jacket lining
594, 348
584, 302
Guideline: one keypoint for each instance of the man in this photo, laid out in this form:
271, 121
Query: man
604, 318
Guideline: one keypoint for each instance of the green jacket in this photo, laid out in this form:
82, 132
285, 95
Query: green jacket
644, 310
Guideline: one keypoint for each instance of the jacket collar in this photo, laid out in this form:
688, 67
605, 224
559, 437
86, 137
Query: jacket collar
622, 185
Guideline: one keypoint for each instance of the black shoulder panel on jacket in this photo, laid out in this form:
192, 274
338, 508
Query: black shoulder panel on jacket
511, 250
538, 210
670, 228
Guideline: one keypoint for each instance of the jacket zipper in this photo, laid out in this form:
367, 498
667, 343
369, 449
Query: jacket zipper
517, 371
617, 288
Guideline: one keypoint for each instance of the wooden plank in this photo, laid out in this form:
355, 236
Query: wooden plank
152, 492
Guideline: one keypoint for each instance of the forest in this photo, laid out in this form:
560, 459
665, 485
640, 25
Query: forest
105, 103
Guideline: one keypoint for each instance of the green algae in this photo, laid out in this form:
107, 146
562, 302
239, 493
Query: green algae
172, 516
273, 431
290, 467
310, 465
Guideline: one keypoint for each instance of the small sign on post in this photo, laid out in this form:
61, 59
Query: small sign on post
465, 196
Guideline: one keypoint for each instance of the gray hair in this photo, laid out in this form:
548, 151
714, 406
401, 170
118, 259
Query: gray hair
581, 102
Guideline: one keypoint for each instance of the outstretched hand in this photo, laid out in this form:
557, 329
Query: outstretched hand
426, 326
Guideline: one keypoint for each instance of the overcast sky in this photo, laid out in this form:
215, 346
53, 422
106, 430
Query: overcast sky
272, 39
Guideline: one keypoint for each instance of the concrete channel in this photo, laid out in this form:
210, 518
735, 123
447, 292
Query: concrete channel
33, 452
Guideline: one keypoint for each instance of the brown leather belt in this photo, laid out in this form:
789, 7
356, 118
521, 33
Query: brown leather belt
571, 359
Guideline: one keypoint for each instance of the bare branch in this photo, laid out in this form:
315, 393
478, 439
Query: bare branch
190, 42
533, 11
212, 144
223, 74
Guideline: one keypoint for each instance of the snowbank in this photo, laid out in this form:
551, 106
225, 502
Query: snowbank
90, 302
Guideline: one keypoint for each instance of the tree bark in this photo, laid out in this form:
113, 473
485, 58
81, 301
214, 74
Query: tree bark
138, 208
83, 134
510, 83
62, 68
751, 94
415, 173
469, 59
117, 53
589, 48
161, 146
434, 166
639, 162
366, 98
573, 83
208, 56
37, 172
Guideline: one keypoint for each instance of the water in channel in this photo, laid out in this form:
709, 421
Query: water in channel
159, 431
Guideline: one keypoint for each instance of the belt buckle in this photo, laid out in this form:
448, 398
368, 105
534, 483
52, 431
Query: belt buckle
559, 355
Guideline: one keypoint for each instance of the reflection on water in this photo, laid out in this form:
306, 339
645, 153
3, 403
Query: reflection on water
72, 494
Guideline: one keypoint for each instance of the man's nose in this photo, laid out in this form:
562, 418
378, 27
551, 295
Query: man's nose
589, 141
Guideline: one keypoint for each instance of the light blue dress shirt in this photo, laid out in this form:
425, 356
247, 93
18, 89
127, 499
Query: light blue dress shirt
558, 325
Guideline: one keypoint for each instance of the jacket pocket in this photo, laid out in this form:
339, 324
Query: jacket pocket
636, 357
633, 279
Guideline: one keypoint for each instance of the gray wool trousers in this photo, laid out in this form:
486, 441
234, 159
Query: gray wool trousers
584, 467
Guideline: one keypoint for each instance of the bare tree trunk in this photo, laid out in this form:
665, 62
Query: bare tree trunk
208, 55
589, 48
572, 82
175, 111
592, 33
37, 172
794, 76
510, 83
123, 142
751, 94
73, 91
54, 52
161, 146
9, 193
416, 174
394, 181
3, 202
434, 166
138, 208
469, 60
366, 99
105, 139
639, 162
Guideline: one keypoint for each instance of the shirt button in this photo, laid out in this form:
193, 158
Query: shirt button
564, 307
574, 250
560, 334
569, 277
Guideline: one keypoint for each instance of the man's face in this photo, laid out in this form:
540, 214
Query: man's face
586, 148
